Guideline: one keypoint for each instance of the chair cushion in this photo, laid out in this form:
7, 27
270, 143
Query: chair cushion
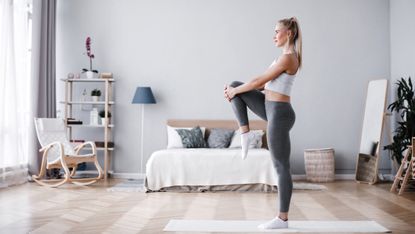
50, 130
51, 125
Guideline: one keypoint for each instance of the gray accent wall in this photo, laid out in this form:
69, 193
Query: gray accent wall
186, 50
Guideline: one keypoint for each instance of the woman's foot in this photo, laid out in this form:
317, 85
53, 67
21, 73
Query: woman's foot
245, 143
275, 223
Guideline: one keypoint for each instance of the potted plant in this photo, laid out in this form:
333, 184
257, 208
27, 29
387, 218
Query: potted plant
102, 115
95, 94
89, 72
405, 107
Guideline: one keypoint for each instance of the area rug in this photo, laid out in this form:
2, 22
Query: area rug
129, 186
138, 186
240, 226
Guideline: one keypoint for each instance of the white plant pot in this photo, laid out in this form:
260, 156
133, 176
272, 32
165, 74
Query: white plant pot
103, 122
89, 74
95, 98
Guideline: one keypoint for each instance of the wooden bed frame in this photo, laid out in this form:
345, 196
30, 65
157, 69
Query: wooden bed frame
229, 124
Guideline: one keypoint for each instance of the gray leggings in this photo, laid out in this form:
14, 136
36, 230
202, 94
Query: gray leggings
281, 118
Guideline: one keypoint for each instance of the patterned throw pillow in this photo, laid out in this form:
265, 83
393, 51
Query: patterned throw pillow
174, 140
192, 138
220, 137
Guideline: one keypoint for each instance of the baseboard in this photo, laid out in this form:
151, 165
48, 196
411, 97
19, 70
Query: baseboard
119, 175
336, 177
298, 177
386, 177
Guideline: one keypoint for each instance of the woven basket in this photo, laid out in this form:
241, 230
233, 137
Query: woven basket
319, 164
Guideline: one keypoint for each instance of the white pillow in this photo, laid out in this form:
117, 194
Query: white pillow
255, 140
174, 140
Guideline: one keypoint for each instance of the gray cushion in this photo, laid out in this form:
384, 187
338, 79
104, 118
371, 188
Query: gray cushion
220, 137
192, 138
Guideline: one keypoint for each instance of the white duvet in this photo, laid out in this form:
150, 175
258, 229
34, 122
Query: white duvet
180, 167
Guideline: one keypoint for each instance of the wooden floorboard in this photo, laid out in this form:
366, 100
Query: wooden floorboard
30, 208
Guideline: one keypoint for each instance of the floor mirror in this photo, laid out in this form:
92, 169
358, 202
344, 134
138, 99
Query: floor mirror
372, 131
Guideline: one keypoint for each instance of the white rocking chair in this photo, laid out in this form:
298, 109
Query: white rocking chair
59, 153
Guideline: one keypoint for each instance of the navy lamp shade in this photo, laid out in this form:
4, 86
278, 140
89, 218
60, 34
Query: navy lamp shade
143, 95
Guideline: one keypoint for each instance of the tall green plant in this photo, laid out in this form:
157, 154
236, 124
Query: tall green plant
405, 107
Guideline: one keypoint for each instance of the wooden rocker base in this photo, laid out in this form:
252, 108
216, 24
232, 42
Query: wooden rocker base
66, 162
53, 183
49, 183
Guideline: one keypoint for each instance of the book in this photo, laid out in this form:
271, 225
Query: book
101, 144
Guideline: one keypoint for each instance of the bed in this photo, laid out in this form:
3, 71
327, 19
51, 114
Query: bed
211, 169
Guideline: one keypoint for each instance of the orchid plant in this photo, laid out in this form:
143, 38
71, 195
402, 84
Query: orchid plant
90, 55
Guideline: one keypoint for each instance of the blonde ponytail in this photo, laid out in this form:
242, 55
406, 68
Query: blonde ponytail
293, 25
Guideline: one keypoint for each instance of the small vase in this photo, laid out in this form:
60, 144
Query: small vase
89, 74
104, 123
95, 98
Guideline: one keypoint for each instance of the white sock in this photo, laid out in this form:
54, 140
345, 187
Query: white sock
245, 144
275, 223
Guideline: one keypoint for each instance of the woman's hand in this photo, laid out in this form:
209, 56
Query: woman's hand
229, 92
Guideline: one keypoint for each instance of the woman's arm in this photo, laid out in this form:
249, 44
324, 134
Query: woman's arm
258, 82
261, 88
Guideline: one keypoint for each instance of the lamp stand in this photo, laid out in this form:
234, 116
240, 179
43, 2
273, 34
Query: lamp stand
142, 139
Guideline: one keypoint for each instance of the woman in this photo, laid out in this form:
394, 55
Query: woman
273, 106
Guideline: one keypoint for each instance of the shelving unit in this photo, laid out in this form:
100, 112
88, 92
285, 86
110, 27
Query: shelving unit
107, 103
95, 103
89, 126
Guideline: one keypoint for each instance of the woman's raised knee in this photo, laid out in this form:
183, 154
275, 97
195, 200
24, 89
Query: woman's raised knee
235, 83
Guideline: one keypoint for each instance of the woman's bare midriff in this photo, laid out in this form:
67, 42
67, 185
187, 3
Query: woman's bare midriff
276, 97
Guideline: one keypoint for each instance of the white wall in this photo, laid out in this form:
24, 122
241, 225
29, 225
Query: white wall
187, 50
402, 37
402, 22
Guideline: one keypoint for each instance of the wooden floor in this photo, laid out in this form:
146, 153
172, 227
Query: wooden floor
73, 209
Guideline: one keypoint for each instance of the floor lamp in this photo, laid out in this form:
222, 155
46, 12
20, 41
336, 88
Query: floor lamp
143, 95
